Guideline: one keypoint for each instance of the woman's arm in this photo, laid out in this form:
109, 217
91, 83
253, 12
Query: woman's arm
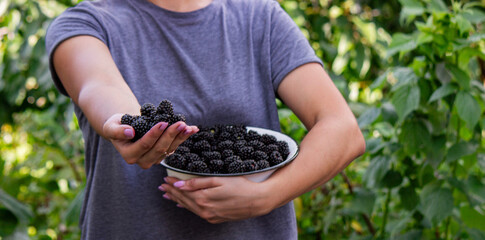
333, 141
91, 78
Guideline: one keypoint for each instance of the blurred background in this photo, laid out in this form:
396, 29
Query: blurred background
413, 72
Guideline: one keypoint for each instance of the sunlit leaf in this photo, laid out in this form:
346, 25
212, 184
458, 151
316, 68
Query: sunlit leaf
401, 43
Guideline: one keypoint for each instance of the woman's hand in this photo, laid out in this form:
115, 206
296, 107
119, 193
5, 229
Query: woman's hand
220, 199
153, 147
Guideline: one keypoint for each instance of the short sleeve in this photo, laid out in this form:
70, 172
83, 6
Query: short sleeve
289, 48
79, 20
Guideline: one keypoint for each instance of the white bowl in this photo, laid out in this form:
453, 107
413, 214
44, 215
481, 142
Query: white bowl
255, 176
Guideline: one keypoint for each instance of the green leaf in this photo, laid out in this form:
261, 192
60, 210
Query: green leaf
460, 150
368, 117
8, 223
71, 215
401, 43
21, 211
443, 91
472, 218
385, 129
406, 100
409, 198
437, 6
392, 179
468, 108
436, 150
414, 135
474, 15
411, 235
476, 234
363, 201
376, 171
460, 76
437, 203
404, 77
411, 7
463, 24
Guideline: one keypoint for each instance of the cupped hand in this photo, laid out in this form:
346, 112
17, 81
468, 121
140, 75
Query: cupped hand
153, 147
219, 199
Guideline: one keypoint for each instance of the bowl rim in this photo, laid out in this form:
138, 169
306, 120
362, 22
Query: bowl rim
287, 161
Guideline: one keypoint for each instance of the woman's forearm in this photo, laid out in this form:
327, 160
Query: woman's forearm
324, 152
91, 78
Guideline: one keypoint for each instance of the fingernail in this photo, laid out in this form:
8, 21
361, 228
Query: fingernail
180, 206
161, 188
128, 133
166, 196
181, 127
179, 184
187, 131
163, 126
165, 179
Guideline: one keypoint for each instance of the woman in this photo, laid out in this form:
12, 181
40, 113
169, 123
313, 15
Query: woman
218, 62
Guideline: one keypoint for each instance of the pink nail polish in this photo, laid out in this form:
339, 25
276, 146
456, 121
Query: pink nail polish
181, 127
179, 184
128, 133
163, 126
161, 188
188, 131
180, 206
165, 179
166, 196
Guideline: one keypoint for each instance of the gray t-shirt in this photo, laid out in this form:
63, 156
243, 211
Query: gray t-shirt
221, 64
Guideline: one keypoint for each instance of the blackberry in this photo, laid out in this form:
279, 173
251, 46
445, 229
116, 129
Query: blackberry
161, 118
268, 139
148, 109
250, 165
231, 159
208, 156
216, 166
236, 167
252, 135
224, 136
201, 146
188, 143
257, 145
141, 127
165, 107
262, 164
275, 158
127, 119
227, 144
177, 161
204, 135
182, 150
192, 157
198, 166
238, 145
177, 118
237, 136
260, 155
271, 148
227, 153
246, 152
283, 148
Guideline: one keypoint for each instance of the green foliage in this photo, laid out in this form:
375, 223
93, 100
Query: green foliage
411, 71
420, 103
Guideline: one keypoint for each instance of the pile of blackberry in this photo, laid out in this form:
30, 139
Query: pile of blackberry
151, 115
228, 149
